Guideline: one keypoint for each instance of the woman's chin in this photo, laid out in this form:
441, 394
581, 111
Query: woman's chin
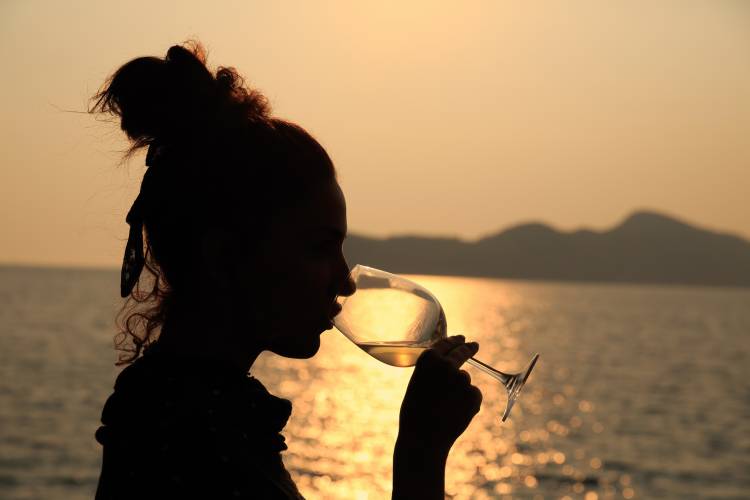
298, 350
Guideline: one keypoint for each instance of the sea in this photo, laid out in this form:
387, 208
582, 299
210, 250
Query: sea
640, 392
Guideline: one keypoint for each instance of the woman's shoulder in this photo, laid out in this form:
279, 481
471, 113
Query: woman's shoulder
195, 420
161, 388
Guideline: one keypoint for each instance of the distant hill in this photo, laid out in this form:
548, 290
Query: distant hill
646, 247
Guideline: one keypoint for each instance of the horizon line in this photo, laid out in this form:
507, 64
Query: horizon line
580, 228
116, 265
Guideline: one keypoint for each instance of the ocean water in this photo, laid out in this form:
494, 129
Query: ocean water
640, 392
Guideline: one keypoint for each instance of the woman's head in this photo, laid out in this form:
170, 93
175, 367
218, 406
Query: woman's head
241, 211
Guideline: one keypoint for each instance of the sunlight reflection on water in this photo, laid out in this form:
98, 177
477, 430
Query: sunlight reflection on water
561, 440
640, 392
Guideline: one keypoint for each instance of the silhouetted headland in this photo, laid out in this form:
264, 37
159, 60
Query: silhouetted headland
646, 247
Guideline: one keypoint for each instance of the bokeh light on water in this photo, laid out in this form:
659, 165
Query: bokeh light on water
641, 392
346, 416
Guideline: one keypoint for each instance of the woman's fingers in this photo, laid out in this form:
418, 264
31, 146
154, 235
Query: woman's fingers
439, 387
459, 354
476, 398
444, 346
454, 350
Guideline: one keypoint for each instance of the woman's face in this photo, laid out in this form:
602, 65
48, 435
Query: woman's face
304, 269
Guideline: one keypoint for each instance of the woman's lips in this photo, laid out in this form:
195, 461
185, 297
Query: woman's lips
328, 323
336, 309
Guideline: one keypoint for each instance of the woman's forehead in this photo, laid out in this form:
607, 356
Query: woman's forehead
328, 206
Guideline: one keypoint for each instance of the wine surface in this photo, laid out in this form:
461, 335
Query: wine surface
393, 353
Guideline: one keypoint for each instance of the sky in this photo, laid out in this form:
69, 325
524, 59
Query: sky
443, 118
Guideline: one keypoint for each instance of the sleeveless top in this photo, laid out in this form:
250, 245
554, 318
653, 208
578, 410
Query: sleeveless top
179, 428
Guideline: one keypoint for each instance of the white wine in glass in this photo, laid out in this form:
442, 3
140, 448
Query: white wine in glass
394, 320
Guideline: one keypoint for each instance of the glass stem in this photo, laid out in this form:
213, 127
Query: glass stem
502, 377
513, 383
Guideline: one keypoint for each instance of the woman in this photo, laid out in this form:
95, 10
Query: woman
244, 224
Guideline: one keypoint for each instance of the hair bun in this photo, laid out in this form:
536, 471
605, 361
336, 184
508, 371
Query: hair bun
177, 98
161, 99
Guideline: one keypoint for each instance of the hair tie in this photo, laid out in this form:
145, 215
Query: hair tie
134, 259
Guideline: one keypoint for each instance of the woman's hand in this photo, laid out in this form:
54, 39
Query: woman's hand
440, 401
438, 406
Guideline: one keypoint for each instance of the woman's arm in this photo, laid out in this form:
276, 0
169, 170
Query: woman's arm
418, 472
439, 404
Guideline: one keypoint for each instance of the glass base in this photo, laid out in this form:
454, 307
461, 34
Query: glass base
514, 385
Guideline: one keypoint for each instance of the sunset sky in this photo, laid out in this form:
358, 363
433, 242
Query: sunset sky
443, 118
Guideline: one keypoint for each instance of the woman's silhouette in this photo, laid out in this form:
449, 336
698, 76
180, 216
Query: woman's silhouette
239, 223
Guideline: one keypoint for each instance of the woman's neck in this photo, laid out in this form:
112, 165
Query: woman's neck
196, 335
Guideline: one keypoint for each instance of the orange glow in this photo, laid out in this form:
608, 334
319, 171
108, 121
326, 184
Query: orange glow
487, 114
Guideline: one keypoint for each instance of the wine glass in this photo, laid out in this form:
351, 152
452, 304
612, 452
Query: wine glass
394, 319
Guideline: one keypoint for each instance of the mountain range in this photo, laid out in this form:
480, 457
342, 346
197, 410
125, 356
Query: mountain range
646, 247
